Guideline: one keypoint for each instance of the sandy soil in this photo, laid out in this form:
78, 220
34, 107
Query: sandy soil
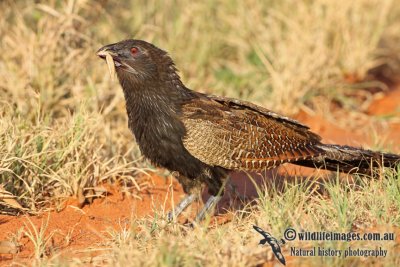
78, 231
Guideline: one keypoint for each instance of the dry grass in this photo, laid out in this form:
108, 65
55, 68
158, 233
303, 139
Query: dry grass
328, 205
63, 122
62, 127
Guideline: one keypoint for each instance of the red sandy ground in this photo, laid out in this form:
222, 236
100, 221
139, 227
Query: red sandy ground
77, 230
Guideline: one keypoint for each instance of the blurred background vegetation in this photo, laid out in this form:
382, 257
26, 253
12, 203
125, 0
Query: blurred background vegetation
63, 125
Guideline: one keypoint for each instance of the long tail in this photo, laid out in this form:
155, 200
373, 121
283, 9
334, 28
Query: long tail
350, 159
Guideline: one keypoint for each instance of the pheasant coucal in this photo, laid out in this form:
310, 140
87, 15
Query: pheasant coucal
202, 138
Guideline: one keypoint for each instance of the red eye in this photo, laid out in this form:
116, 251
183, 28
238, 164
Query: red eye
134, 50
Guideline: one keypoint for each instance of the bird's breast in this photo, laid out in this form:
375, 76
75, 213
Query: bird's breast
159, 138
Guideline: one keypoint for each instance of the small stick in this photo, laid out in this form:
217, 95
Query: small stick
111, 65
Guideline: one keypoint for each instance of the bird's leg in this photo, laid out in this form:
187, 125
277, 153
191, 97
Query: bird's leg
210, 204
213, 200
232, 188
181, 206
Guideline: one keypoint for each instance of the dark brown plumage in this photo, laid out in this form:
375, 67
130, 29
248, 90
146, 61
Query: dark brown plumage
203, 138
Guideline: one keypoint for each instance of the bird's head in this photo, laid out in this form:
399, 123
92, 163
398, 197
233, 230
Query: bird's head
138, 60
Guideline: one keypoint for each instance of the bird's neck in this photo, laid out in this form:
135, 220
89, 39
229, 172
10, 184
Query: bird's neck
153, 103
155, 97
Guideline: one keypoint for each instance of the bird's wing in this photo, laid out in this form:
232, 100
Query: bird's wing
261, 231
266, 235
239, 135
241, 104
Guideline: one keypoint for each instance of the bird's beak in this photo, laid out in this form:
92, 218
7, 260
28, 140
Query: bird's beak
109, 53
104, 51
111, 58
114, 59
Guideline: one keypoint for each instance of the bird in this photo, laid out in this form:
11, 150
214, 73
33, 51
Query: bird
202, 138
273, 242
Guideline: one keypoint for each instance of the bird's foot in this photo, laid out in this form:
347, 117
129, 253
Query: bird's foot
181, 207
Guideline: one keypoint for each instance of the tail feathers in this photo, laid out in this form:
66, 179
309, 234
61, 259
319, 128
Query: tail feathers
350, 159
